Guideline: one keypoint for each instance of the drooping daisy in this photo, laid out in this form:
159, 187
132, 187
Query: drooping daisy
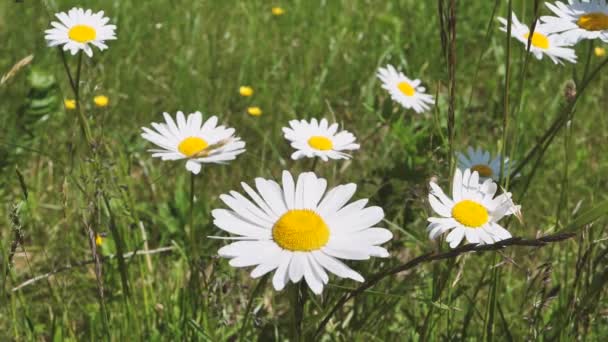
482, 162
78, 29
542, 42
192, 139
473, 212
405, 91
300, 230
319, 139
578, 20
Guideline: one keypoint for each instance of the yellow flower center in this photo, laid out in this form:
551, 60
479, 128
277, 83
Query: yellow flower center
82, 33
406, 89
254, 111
192, 146
98, 240
593, 21
470, 214
539, 40
320, 143
483, 170
246, 91
300, 230
277, 11
69, 104
101, 100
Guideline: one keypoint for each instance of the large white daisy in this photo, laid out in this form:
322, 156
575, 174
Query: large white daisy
405, 91
542, 42
79, 29
472, 212
319, 139
482, 162
192, 139
300, 230
579, 20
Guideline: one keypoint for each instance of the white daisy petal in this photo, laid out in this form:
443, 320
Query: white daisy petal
286, 230
474, 212
404, 91
78, 30
317, 139
185, 138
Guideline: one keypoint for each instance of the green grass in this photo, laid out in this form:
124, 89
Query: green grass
317, 60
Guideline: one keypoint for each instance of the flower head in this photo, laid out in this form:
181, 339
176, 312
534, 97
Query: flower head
300, 230
79, 29
194, 140
101, 101
405, 91
543, 42
245, 91
277, 11
599, 51
578, 20
319, 139
69, 104
482, 162
472, 212
98, 240
254, 111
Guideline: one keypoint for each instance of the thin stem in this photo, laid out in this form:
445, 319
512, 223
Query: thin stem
434, 256
314, 164
452, 79
256, 291
191, 214
505, 118
75, 85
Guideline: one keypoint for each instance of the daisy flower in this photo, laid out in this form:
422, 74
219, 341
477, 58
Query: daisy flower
299, 230
405, 91
79, 29
579, 20
192, 139
482, 162
319, 139
472, 212
542, 42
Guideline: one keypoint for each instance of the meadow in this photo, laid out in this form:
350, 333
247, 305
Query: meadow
101, 241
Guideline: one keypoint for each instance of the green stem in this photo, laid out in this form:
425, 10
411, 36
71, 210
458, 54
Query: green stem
505, 118
256, 291
314, 164
191, 217
75, 85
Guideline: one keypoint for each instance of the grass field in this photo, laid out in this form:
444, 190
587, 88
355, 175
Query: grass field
319, 59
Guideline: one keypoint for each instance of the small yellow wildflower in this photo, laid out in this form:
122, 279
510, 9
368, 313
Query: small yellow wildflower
254, 111
600, 51
98, 240
69, 104
246, 91
101, 101
278, 11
